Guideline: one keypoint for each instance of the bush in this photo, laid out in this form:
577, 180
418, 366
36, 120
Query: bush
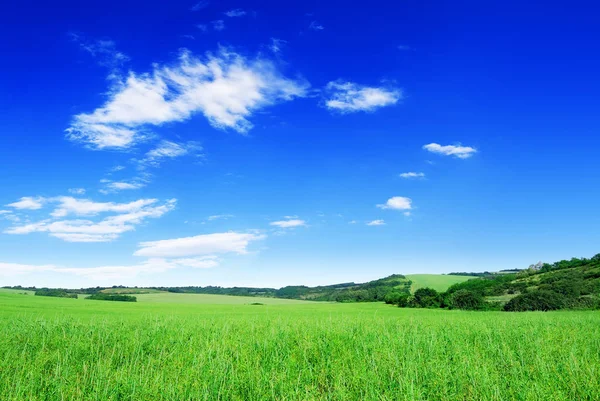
468, 300
403, 301
46, 292
393, 297
536, 301
426, 298
110, 297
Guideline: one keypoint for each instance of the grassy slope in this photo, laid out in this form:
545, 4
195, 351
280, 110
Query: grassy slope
54, 349
439, 282
167, 297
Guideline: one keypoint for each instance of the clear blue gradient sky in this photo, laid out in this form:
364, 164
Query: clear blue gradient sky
273, 143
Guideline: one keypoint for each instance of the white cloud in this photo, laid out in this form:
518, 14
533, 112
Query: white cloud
412, 174
219, 216
238, 12
105, 51
376, 223
117, 168
226, 88
77, 191
397, 203
200, 5
150, 266
404, 47
315, 26
352, 222
207, 244
169, 150
349, 97
218, 25
85, 207
123, 185
276, 45
125, 217
289, 223
5, 212
28, 203
462, 152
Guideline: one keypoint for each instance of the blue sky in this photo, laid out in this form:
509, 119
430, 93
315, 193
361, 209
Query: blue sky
266, 144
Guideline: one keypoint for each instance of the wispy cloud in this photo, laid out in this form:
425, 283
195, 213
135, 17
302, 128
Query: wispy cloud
115, 272
28, 203
403, 47
376, 223
397, 203
104, 51
200, 5
218, 25
238, 12
170, 150
276, 45
349, 97
124, 217
226, 88
315, 26
116, 186
77, 191
412, 175
206, 244
219, 217
461, 152
202, 27
290, 223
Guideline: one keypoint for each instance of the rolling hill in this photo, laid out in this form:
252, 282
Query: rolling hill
439, 282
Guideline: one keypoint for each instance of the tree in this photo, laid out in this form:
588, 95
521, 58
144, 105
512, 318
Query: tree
392, 298
468, 300
426, 298
403, 301
535, 301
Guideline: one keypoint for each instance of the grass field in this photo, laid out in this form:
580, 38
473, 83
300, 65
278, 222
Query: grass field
178, 349
439, 282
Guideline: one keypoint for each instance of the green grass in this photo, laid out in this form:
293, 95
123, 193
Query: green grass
439, 282
131, 291
76, 349
167, 297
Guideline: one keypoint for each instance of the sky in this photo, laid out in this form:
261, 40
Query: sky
284, 143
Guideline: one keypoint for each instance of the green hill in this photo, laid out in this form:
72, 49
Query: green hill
439, 282
568, 284
375, 290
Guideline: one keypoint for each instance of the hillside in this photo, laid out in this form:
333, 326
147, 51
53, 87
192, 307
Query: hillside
439, 282
568, 284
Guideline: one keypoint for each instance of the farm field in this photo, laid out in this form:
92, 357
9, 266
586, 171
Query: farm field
439, 282
224, 348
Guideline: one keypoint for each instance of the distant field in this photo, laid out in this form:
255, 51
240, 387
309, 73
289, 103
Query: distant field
183, 348
167, 297
131, 291
439, 282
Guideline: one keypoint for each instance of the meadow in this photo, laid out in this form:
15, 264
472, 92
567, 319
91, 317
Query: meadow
439, 282
208, 347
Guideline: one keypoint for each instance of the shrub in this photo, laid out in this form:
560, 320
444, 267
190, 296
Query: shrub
536, 301
403, 301
393, 297
46, 292
426, 298
468, 300
112, 297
